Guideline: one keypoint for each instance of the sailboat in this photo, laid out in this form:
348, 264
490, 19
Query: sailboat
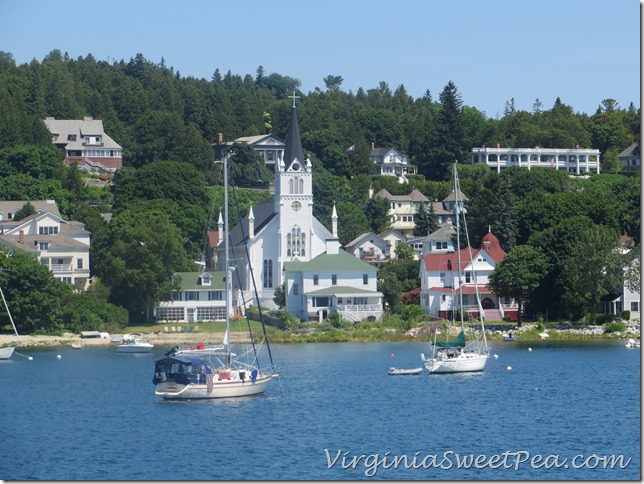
457, 355
7, 351
184, 376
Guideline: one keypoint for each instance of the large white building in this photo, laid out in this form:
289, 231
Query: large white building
282, 232
573, 161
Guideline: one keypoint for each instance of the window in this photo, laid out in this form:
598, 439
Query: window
635, 306
268, 273
43, 245
467, 277
295, 242
316, 280
296, 186
79, 263
215, 295
442, 278
192, 296
365, 279
296, 290
334, 280
48, 230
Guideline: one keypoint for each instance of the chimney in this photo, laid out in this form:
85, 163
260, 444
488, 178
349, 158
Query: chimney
21, 237
373, 146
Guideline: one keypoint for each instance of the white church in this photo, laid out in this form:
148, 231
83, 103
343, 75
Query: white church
281, 241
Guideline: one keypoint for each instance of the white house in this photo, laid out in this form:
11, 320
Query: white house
201, 297
624, 298
391, 162
334, 281
60, 245
270, 148
370, 247
440, 241
440, 288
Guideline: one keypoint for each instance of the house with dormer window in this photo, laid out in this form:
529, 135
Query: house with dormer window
391, 162
85, 143
62, 246
269, 147
443, 282
201, 297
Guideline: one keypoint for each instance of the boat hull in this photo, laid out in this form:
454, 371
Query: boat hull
134, 348
171, 390
402, 371
463, 363
6, 352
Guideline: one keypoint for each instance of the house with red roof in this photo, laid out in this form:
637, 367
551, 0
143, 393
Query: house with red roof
441, 288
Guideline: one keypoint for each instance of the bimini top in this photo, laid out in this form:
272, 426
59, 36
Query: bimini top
182, 360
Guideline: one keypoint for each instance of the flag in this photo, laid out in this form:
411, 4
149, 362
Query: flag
351, 149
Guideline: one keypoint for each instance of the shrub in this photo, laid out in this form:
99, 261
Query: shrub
625, 315
614, 327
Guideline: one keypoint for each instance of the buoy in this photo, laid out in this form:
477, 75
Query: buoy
529, 349
496, 356
509, 368
30, 358
58, 356
392, 354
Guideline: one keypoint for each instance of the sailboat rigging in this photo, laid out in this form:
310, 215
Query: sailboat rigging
457, 356
184, 376
7, 351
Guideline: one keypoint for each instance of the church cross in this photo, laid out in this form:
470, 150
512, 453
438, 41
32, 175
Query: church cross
294, 97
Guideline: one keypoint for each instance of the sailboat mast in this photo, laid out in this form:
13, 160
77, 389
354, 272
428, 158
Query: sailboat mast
457, 209
227, 266
6, 306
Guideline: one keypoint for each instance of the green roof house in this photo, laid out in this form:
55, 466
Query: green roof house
334, 281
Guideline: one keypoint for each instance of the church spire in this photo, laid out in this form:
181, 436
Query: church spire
293, 147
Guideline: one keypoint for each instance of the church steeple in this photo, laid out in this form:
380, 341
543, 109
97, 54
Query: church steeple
293, 147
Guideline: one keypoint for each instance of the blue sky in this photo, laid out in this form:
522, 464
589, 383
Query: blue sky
582, 51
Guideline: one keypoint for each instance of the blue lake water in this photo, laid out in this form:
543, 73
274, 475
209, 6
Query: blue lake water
334, 414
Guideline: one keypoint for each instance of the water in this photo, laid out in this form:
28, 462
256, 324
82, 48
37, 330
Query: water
93, 415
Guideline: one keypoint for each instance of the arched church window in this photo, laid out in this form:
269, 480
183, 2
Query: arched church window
296, 186
289, 251
268, 273
297, 242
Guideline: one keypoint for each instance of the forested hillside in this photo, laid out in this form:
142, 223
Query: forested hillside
165, 195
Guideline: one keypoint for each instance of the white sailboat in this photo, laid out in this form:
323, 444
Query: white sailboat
7, 351
459, 356
190, 376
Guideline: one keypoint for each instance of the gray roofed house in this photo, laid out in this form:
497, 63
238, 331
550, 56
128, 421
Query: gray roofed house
85, 143
630, 158
60, 245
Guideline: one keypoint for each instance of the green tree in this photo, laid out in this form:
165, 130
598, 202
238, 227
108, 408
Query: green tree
376, 210
24, 212
425, 221
518, 275
136, 256
247, 168
33, 295
404, 251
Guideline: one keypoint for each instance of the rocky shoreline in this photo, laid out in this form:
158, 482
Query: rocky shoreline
186, 339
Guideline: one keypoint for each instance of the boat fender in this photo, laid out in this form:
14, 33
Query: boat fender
253, 375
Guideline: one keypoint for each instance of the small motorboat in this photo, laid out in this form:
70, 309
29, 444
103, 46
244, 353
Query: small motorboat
509, 336
405, 371
134, 343
632, 344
